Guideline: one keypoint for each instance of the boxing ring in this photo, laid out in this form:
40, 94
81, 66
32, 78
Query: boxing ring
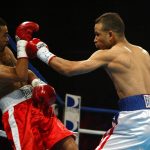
72, 109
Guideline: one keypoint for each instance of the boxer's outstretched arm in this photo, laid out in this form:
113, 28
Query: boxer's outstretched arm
37, 48
71, 68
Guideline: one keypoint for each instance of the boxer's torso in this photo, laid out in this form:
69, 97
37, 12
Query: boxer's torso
130, 70
7, 59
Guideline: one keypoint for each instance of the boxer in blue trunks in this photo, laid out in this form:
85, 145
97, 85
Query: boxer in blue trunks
128, 66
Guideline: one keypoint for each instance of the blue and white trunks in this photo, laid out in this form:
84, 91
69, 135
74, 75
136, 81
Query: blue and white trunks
131, 126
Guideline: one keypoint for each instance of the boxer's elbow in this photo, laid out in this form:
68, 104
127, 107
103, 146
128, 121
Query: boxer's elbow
66, 69
22, 77
69, 72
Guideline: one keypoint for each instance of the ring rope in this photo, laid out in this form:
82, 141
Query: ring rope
88, 131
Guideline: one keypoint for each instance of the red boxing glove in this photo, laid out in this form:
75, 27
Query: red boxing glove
25, 30
36, 47
43, 95
32, 47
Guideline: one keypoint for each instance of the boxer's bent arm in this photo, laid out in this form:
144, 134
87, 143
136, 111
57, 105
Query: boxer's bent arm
31, 76
21, 69
13, 74
13, 58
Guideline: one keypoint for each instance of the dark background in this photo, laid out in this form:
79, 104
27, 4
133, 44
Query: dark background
67, 28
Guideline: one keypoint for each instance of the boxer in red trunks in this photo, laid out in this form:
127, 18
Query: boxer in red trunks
25, 100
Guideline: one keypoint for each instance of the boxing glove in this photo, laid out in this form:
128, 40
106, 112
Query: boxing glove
25, 30
43, 95
37, 48
23, 34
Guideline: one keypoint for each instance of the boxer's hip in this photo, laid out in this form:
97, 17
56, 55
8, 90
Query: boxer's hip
15, 97
136, 102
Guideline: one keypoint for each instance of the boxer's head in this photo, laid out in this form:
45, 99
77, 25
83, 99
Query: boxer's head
3, 34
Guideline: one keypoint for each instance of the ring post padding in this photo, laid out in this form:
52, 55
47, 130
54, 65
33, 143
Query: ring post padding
72, 114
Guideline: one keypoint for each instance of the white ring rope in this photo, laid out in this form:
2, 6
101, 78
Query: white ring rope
88, 131
3, 134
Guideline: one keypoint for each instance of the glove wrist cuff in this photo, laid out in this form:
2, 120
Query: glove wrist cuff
21, 49
44, 54
37, 82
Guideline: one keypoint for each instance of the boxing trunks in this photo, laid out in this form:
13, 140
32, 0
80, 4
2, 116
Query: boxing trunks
130, 127
26, 126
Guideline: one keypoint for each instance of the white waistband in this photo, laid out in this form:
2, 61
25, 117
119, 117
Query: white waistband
15, 97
